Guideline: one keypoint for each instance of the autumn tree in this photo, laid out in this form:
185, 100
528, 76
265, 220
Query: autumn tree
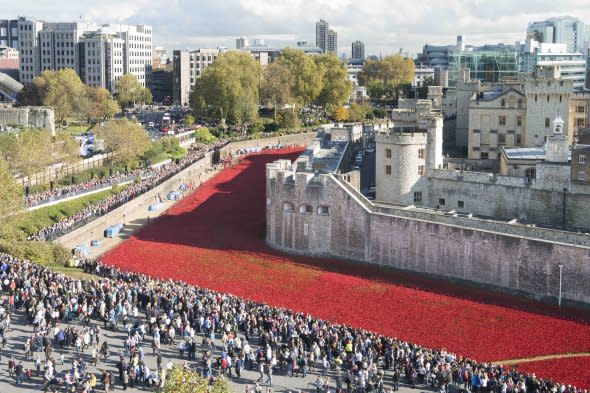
130, 91
63, 90
341, 114
126, 139
277, 86
306, 78
11, 198
335, 86
99, 105
65, 149
185, 380
27, 152
384, 78
228, 90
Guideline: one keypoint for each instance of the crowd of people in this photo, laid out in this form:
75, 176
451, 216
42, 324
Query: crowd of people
54, 194
253, 336
146, 179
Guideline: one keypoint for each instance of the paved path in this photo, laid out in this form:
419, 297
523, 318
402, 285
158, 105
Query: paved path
20, 331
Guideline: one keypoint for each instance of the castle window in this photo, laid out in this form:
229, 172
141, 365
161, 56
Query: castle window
548, 97
547, 122
441, 201
582, 176
305, 209
484, 155
518, 121
520, 103
580, 122
580, 109
418, 197
518, 139
536, 98
387, 153
530, 173
323, 211
388, 169
460, 204
582, 159
288, 207
420, 170
501, 139
502, 120
421, 153
503, 102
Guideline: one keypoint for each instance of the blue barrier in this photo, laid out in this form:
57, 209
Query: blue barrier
94, 243
173, 196
182, 187
155, 206
113, 230
81, 251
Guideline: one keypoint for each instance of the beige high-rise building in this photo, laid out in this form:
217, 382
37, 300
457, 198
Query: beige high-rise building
187, 67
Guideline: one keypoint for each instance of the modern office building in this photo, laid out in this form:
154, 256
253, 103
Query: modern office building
242, 42
562, 30
99, 54
187, 67
358, 50
263, 53
9, 61
9, 33
326, 38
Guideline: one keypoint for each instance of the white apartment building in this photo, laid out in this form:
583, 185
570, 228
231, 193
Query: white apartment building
187, 67
99, 54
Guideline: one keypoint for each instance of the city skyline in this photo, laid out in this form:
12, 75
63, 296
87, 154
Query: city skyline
179, 24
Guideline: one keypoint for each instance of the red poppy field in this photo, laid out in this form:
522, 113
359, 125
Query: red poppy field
215, 238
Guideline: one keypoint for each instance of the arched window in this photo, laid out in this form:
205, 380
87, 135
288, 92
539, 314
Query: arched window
520, 102
305, 209
323, 211
288, 207
503, 102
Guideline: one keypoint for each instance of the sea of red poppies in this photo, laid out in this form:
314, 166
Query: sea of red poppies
215, 238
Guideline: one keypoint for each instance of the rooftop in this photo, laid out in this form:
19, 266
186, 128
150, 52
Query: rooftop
322, 155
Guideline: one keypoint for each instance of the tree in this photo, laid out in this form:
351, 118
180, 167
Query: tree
65, 149
11, 198
126, 139
383, 78
307, 80
203, 135
100, 105
185, 380
28, 152
130, 91
63, 90
189, 120
289, 120
360, 112
277, 86
228, 90
341, 114
336, 87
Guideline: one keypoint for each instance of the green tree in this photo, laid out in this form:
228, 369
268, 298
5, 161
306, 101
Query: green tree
360, 112
306, 78
11, 197
289, 120
63, 90
277, 86
228, 90
130, 91
336, 87
126, 139
189, 120
203, 135
384, 78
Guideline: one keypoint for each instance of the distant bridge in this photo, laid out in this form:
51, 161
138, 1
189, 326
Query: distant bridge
9, 87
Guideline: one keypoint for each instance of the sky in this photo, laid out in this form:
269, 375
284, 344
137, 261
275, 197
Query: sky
385, 26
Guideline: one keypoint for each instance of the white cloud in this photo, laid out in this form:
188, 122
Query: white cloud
384, 26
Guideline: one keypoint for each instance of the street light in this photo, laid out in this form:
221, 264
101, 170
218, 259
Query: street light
560, 283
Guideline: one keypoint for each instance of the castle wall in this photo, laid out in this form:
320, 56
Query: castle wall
36, 117
525, 260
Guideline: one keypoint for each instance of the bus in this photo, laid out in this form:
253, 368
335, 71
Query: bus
166, 122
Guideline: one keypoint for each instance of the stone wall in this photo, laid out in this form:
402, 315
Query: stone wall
302, 139
28, 116
323, 216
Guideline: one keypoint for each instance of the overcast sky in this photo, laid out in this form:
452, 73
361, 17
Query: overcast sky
384, 26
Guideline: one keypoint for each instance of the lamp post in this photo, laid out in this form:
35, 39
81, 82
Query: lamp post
560, 283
